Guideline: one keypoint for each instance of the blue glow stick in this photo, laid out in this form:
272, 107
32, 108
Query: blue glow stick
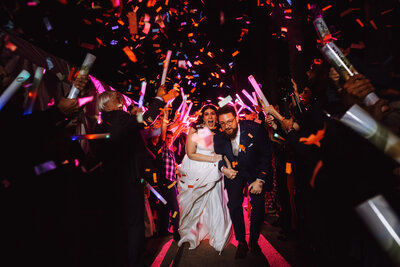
142, 93
33, 90
155, 193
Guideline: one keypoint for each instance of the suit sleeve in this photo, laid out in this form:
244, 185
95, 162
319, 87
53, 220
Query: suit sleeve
154, 110
263, 166
218, 149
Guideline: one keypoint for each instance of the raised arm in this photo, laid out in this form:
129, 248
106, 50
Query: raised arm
191, 150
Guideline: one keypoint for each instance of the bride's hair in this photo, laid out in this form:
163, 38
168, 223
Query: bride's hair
200, 122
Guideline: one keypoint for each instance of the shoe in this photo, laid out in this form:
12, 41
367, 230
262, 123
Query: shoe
255, 248
241, 251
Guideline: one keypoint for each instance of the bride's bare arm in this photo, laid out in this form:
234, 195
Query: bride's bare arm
191, 150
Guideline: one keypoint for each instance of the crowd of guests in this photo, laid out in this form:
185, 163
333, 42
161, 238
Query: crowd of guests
332, 170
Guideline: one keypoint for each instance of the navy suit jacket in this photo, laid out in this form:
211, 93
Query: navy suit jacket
254, 160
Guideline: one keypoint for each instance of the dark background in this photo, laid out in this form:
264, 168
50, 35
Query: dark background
265, 51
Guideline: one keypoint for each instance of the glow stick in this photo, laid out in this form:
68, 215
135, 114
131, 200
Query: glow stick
380, 136
83, 100
183, 104
142, 93
343, 66
86, 65
224, 101
240, 109
383, 223
179, 108
258, 90
243, 104
321, 27
255, 97
33, 90
252, 100
188, 111
165, 68
90, 136
156, 193
13, 87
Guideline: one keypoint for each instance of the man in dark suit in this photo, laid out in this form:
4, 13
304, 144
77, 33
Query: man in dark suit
125, 158
248, 153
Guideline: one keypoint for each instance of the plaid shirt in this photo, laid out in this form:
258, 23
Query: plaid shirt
168, 168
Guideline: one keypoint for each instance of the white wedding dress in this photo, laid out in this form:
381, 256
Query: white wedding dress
203, 202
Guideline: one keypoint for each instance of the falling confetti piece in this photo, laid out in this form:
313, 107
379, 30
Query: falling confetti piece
130, 54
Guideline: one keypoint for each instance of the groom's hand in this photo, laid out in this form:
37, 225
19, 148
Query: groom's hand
256, 187
229, 173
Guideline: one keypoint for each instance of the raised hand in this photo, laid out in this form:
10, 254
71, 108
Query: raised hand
68, 106
81, 83
358, 86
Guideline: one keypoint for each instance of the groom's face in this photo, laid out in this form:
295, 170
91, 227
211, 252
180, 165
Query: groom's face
229, 125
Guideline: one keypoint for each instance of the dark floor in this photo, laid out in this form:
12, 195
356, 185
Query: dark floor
278, 250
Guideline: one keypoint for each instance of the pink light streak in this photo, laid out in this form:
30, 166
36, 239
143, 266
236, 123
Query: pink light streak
271, 254
160, 257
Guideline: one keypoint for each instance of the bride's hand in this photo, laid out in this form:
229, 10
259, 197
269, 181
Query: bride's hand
216, 157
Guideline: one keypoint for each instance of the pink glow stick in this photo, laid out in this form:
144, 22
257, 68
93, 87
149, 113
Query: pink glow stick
252, 100
165, 68
258, 90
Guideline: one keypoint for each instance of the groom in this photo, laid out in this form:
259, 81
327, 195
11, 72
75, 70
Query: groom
248, 153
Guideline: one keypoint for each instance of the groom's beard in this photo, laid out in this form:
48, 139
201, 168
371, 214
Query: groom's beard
231, 135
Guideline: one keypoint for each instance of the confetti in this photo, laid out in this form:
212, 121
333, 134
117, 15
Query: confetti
171, 185
45, 167
288, 168
130, 54
360, 23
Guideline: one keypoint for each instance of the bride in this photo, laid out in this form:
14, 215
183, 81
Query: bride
202, 198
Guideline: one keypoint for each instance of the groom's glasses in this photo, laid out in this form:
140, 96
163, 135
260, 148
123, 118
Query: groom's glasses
226, 123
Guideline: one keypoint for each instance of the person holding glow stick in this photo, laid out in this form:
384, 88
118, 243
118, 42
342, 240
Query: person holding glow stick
125, 158
169, 214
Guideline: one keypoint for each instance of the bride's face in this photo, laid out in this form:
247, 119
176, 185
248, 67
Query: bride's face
210, 118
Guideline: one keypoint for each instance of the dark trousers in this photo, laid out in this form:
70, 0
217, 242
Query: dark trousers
128, 232
235, 194
167, 211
